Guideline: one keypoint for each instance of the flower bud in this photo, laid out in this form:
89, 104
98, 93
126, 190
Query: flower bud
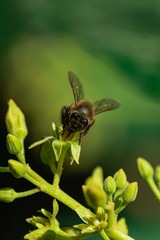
14, 146
94, 195
145, 169
60, 129
47, 156
130, 193
96, 178
157, 175
16, 168
120, 178
55, 208
15, 121
118, 200
7, 195
122, 226
100, 214
54, 128
109, 185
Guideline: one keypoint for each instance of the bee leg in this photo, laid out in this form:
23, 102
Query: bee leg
83, 134
88, 127
80, 137
65, 116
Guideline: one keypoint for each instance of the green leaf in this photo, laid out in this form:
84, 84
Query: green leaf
41, 234
47, 155
70, 230
55, 208
40, 142
85, 216
37, 220
85, 228
46, 213
75, 151
57, 148
122, 226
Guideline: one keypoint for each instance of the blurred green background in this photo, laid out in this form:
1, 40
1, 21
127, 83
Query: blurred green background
114, 48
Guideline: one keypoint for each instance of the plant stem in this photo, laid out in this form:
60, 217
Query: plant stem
56, 192
58, 173
27, 193
110, 197
117, 235
34, 176
21, 154
4, 169
104, 235
111, 216
153, 187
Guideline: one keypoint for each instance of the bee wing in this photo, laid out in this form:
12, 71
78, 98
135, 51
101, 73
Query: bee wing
77, 87
105, 104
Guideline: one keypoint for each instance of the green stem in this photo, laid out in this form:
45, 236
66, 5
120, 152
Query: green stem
158, 183
58, 173
4, 169
33, 181
27, 193
41, 142
117, 235
35, 178
112, 218
104, 235
56, 192
21, 154
153, 187
110, 197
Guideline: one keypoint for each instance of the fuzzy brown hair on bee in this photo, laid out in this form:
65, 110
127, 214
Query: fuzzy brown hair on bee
80, 116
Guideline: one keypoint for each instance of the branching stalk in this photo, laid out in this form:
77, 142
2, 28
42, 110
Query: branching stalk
55, 192
117, 235
4, 169
59, 170
27, 193
153, 187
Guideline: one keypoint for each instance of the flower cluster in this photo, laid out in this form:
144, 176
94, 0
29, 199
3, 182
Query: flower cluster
151, 176
59, 146
107, 197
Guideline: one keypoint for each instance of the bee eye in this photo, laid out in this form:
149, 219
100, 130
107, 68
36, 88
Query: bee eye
75, 116
84, 121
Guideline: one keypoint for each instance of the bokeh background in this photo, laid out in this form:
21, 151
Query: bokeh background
114, 48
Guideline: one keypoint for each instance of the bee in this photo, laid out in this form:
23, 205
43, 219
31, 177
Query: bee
80, 116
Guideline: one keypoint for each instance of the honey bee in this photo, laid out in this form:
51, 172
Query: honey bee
80, 116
